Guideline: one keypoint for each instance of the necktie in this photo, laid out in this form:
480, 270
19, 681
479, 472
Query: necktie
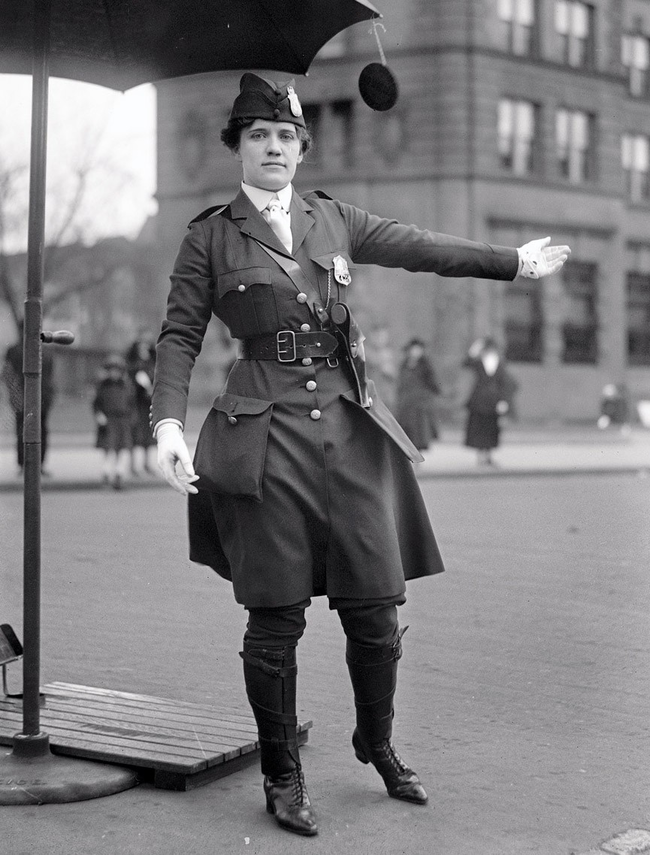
278, 219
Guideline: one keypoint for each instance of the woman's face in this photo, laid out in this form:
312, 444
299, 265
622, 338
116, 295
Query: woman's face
269, 153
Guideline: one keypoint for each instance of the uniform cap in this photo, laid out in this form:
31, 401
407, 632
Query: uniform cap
260, 98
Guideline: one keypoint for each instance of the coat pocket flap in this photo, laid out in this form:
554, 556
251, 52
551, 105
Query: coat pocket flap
236, 405
327, 261
231, 447
246, 277
386, 421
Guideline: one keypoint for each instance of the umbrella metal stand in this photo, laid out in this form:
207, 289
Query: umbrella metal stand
31, 774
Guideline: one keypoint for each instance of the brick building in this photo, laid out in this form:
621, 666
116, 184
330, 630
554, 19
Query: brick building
516, 119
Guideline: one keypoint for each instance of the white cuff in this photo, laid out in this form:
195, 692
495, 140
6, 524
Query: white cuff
521, 262
166, 422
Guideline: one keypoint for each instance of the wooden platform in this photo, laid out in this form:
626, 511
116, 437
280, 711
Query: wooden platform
174, 745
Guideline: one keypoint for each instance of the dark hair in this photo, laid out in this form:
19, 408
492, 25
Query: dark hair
489, 343
414, 342
231, 134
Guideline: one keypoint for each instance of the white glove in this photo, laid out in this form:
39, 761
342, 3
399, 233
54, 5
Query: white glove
172, 450
538, 259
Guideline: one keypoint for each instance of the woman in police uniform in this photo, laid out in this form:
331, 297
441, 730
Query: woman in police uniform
305, 480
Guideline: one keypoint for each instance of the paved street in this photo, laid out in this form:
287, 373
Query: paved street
523, 696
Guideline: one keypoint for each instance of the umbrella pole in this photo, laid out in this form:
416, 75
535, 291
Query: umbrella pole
31, 741
31, 773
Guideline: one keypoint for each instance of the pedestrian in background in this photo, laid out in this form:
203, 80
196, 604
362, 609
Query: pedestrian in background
305, 479
491, 398
141, 363
417, 389
12, 375
113, 409
615, 408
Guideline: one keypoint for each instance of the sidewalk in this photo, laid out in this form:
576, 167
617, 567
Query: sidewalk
74, 463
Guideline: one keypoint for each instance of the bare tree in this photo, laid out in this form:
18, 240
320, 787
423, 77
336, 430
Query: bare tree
71, 219
11, 179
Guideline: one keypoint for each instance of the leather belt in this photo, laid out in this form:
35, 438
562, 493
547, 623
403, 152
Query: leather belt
287, 346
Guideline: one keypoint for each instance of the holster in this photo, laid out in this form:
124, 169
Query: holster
351, 338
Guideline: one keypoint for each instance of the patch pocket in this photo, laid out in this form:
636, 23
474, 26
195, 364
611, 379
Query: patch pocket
231, 448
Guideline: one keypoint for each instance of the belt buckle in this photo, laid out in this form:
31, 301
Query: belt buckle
286, 344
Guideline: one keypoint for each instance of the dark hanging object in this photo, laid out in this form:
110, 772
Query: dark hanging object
378, 86
377, 83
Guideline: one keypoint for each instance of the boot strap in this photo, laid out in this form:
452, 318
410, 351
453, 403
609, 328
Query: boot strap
263, 665
272, 715
358, 654
279, 746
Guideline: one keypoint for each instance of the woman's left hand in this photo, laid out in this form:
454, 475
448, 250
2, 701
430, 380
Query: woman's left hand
538, 259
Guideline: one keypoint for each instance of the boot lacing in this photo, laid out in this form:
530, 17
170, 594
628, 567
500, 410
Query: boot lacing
298, 786
388, 750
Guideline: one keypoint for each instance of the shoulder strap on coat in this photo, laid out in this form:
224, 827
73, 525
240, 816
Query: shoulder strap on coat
320, 194
214, 211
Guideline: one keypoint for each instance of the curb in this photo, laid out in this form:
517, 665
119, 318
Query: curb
639, 471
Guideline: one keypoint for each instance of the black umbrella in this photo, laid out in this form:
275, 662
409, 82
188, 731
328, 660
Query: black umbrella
120, 44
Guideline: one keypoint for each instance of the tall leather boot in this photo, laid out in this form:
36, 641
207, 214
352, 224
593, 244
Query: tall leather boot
270, 677
373, 671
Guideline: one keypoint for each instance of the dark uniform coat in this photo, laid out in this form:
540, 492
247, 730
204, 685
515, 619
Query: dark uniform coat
316, 494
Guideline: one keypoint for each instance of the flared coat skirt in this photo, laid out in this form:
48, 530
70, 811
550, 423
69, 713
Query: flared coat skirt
335, 507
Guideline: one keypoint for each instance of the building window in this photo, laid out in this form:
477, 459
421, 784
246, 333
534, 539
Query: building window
574, 134
574, 25
580, 328
518, 21
331, 126
635, 56
638, 319
517, 123
523, 322
340, 150
635, 158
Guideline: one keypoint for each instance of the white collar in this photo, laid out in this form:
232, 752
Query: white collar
261, 198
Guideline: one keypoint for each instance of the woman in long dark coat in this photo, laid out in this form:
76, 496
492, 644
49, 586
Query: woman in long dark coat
490, 399
417, 388
305, 480
141, 362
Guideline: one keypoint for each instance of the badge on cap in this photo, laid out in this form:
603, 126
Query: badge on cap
294, 103
341, 270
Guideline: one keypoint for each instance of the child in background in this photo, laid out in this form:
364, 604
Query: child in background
113, 408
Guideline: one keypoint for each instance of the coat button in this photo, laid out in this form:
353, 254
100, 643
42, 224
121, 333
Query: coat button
310, 385
232, 420
241, 287
304, 327
306, 360
301, 298
315, 415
